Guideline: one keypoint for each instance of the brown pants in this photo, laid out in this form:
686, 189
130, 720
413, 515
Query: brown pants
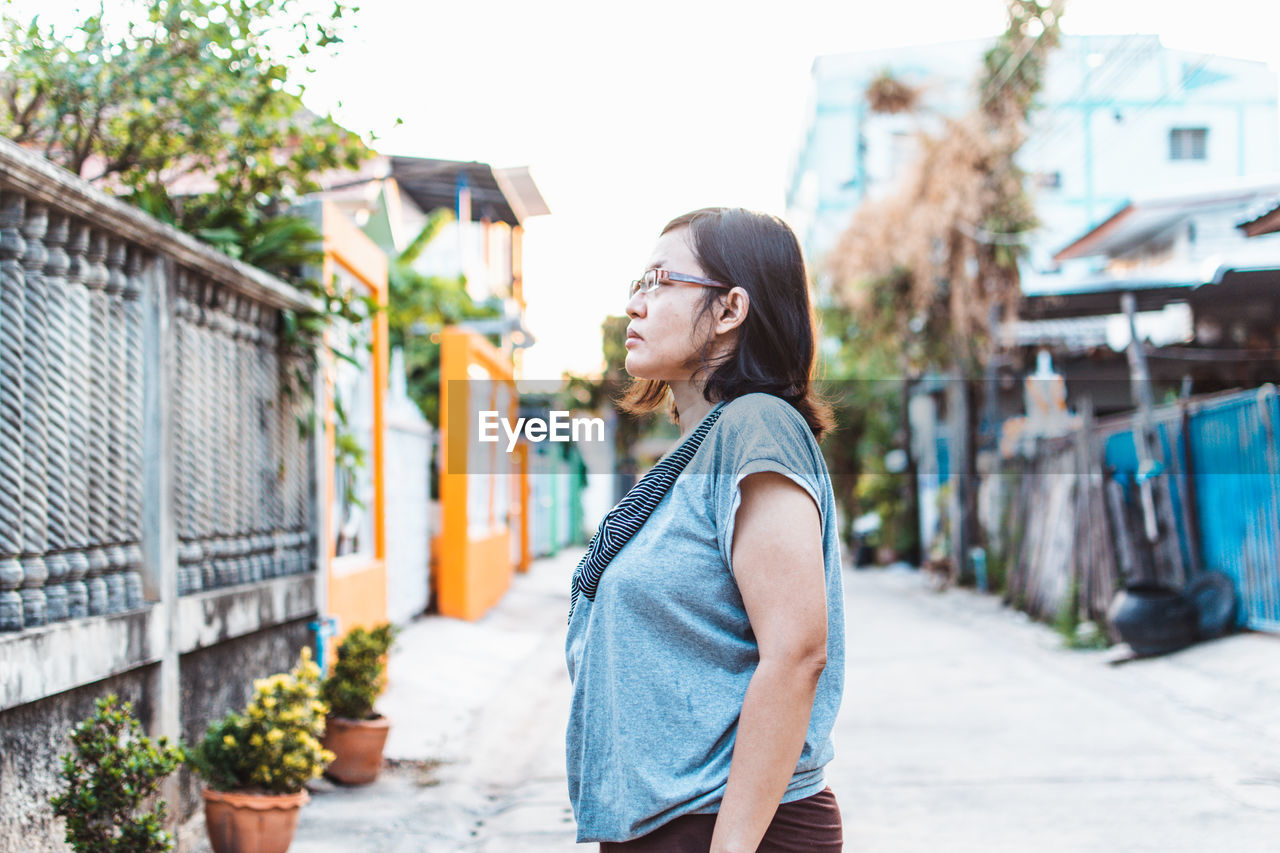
811, 824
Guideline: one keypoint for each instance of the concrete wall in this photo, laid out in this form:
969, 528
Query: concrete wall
32, 737
190, 499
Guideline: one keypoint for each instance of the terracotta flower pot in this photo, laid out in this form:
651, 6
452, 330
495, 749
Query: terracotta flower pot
239, 822
357, 745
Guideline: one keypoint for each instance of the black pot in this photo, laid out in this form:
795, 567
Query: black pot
1154, 619
1214, 596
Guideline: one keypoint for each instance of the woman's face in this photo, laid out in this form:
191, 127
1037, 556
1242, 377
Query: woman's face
662, 342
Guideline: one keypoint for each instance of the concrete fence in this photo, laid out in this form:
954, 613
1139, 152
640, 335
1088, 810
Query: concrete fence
158, 500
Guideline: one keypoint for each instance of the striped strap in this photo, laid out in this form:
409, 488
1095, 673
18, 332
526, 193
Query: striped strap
625, 520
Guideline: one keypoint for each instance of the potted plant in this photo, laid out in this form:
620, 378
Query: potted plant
112, 775
256, 763
354, 732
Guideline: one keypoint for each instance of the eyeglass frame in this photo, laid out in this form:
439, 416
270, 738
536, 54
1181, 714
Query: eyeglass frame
667, 276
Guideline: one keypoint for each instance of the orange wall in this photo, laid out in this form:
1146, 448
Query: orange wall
359, 599
356, 592
474, 571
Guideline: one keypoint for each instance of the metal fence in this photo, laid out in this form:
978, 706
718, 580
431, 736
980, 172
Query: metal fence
1234, 448
1077, 516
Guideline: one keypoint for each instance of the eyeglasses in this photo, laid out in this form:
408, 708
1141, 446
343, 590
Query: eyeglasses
649, 282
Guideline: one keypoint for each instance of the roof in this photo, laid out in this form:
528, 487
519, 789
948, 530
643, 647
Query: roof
1143, 217
499, 195
1101, 295
1227, 285
1264, 219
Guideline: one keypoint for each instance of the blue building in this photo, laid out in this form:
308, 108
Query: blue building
1120, 115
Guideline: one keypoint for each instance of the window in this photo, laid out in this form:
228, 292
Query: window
1188, 143
1048, 180
353, 389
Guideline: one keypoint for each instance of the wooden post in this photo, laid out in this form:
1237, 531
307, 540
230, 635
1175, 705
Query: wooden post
1140, 389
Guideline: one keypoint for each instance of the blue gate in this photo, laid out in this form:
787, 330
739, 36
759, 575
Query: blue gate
1234, 450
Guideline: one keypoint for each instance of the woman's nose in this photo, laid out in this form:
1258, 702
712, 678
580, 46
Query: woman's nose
636, 306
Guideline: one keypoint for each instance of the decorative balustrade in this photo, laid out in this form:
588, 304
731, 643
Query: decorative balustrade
243, 498
87, 285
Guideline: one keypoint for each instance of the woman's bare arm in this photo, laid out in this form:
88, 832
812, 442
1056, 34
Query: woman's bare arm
778, 563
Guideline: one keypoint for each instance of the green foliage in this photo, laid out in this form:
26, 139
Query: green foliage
111, 773
1013, 69
419, 306
139, 95
864, 369
273, 746
358, 675
886, 495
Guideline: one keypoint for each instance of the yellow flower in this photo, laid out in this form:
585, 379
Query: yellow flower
275, 736
229, 740
255, 739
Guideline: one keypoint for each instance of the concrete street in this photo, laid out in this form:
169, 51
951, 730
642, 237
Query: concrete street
965, 728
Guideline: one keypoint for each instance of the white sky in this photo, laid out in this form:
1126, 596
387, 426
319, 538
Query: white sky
630, 114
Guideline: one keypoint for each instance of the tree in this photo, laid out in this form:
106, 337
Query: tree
860, 370
194, 94
940, 256
419, 306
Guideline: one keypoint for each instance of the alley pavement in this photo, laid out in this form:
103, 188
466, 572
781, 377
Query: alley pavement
965, 727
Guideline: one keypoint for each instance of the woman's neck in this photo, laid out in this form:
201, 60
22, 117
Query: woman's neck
691, 404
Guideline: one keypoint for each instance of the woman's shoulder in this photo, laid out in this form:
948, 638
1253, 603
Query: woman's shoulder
759, 409
758, 423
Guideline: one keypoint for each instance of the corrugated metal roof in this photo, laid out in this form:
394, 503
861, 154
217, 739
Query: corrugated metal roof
1145, 216
499, 195
1101, 295
1263, 219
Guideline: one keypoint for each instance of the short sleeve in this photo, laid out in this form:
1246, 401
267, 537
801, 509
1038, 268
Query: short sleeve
762, 434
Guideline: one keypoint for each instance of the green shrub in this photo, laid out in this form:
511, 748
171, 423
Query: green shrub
886, 494
112, 771
273, 746
357, 679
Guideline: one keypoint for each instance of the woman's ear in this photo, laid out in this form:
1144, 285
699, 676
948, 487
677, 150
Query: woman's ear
732, 310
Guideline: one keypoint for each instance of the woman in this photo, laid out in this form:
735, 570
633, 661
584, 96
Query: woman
706, 633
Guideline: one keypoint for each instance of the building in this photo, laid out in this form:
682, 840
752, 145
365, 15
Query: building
1203, 273
393, 197
1120, 115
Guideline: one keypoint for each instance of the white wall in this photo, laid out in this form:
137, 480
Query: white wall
408, 469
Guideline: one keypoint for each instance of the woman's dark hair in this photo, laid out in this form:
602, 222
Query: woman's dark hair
776, 350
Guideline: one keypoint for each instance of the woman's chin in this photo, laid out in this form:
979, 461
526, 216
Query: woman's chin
635, 367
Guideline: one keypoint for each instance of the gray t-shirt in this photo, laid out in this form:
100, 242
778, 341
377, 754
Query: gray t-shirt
661, 659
